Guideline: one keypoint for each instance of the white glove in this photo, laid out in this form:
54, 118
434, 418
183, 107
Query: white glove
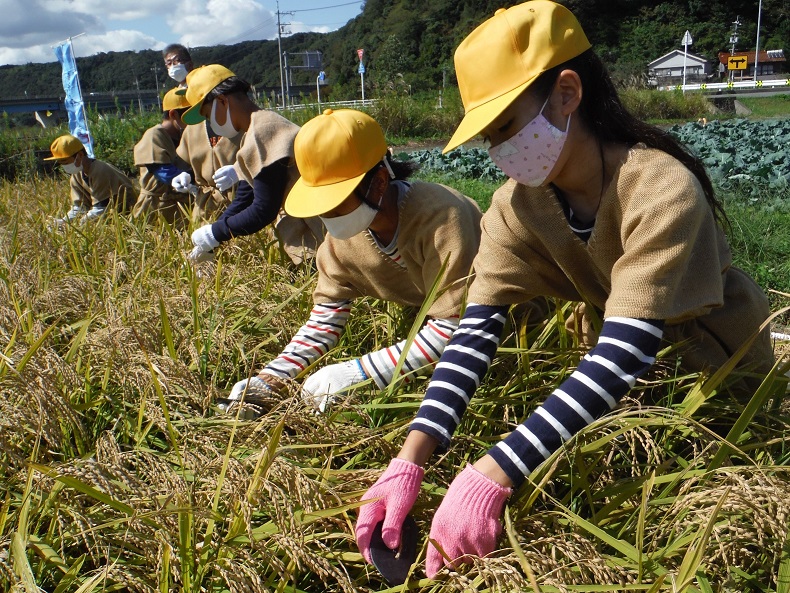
225, 177
319, 387
181, 182
204, 238
75, 212
247, 387
95, 212
58, 224
198, 256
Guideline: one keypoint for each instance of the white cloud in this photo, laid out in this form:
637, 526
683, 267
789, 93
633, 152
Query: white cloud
118, 40
29, 28
84, 45
223, 21
26, 23
39, 53
117, 10
302, 28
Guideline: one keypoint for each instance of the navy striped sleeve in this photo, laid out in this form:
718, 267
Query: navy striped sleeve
256, 206
463, 363
626, 349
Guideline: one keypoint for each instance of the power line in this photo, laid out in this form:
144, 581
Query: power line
326, 7
320, 24
250, 31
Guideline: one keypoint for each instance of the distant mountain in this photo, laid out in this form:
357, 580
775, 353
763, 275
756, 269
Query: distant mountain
411, 42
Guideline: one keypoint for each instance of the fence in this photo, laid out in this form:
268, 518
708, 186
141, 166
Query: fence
730, 86
327, 104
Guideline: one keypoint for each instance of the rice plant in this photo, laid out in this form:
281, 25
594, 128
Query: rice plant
119, 473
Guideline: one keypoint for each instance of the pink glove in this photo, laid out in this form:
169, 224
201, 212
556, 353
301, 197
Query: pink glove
467, 521
397, 489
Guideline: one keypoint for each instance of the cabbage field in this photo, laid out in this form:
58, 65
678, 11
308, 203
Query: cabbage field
738, 153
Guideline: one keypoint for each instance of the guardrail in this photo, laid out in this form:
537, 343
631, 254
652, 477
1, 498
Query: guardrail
728, 86
327, 105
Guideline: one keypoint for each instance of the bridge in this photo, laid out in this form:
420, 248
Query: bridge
144, 99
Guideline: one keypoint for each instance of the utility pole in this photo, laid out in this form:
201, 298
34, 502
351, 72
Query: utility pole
733, 41
757, 49
155, 70
280, 26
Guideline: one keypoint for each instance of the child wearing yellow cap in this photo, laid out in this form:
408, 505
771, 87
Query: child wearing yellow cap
95, 185
155, 155
600, 208
206, 150
264, 168
387, 238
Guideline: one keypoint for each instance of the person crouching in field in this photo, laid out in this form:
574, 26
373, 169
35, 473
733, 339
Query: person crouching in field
95, 185
208, 153
155, 155
600, 208
387, 238
264, 163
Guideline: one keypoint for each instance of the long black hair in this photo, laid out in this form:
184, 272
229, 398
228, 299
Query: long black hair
604, 113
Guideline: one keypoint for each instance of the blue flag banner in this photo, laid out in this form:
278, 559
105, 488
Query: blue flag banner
78, 120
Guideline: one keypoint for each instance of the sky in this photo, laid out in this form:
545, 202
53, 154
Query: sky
29, 28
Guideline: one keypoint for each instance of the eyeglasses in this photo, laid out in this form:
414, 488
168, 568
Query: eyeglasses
174, 61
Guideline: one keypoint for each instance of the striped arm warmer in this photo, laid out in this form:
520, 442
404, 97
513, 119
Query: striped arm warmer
314, 339
426, 349
626, 349
466, 359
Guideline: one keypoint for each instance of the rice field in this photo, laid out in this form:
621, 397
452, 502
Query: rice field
118, 472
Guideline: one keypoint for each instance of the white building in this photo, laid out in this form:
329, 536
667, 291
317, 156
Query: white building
668, 69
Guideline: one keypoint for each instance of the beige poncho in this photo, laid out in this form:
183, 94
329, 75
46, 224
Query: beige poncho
656, 252
269, 139
436, 222
156, 147
105, 183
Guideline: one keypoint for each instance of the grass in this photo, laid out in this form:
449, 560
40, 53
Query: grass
767, 107
119, 474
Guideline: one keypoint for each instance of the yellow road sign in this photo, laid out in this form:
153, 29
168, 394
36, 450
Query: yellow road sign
736, 63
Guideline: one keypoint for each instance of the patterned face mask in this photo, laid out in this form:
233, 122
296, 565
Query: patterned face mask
530, 154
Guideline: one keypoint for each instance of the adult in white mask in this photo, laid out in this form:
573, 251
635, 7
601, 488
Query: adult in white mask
387, 238
178, 62
94, 185
264, 168
601, 209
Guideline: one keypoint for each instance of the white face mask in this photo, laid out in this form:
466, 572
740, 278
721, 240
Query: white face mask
353, 223
177, 72
225, 129
530, 154
72, 168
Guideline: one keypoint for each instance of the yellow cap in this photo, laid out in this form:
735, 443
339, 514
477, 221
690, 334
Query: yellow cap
174, 100
200, 82
333, 152
504, 55
63, 147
